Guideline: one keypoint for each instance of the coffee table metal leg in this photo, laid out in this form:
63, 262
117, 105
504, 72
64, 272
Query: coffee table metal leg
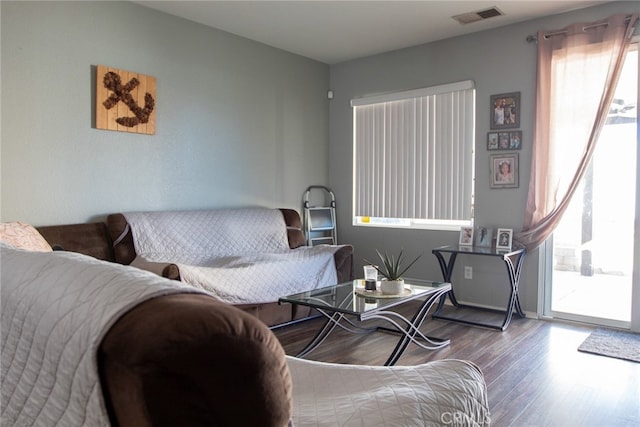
333, 320
323, 333
411, 333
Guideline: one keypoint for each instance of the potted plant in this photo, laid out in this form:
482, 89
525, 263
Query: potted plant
392, 270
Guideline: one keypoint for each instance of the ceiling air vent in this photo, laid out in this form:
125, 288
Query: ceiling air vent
467, 18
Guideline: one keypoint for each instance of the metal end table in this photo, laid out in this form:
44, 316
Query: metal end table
513, 260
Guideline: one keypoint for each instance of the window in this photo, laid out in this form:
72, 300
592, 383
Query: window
413, 157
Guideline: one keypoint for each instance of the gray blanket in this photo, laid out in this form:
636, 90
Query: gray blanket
56, 309
239, 255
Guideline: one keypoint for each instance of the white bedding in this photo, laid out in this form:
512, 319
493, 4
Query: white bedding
440, 393
56, 308
239, 255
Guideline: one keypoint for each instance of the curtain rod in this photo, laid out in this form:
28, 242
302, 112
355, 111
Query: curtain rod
534, 38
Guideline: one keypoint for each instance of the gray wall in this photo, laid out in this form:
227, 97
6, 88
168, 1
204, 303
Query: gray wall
499, 61
238, 122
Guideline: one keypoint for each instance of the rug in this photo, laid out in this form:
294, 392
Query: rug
613, 343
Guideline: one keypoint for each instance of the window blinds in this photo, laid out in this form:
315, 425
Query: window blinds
413, 154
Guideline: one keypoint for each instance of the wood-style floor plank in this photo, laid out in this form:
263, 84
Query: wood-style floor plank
534, 373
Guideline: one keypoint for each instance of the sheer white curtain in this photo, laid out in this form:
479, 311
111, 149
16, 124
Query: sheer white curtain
578, 68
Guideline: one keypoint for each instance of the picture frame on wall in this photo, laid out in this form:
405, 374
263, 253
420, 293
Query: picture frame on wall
504, 238
504, 140
504, 170
515, 140
492, 141
466, 236
484, 236
505, 111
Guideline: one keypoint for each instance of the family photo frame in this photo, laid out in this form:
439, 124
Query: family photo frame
466, 236
505, 111
511, 140
484, 236
504, 238
504, 170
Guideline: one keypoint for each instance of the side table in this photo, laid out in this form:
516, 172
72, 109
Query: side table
513, 260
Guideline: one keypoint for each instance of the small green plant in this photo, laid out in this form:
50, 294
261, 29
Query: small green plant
392, 267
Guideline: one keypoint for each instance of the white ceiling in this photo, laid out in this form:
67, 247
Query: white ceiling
334, 31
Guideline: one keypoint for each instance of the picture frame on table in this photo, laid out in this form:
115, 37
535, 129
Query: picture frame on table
466, 236
505, 111
504, 170
484, 236
504, 239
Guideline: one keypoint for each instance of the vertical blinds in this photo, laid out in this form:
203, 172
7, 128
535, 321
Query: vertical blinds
413, 153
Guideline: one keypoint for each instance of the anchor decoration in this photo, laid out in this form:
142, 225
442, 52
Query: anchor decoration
123, 93
115, 101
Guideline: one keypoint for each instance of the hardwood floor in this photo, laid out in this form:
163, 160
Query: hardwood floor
535, 376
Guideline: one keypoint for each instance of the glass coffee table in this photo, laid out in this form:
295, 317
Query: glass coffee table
337, 302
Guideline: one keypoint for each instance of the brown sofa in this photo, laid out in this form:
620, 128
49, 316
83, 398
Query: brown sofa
169, 356
223, 367
96, 239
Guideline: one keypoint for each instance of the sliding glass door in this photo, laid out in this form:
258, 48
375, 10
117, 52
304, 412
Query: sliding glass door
590, 258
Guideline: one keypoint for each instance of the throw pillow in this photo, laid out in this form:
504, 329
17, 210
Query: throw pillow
23, 236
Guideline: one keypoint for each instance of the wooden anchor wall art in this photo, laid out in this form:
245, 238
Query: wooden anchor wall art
125, 101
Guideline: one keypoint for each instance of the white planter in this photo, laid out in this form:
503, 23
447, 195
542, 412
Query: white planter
392, 287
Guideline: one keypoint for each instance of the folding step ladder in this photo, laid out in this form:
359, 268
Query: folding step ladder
320, 221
